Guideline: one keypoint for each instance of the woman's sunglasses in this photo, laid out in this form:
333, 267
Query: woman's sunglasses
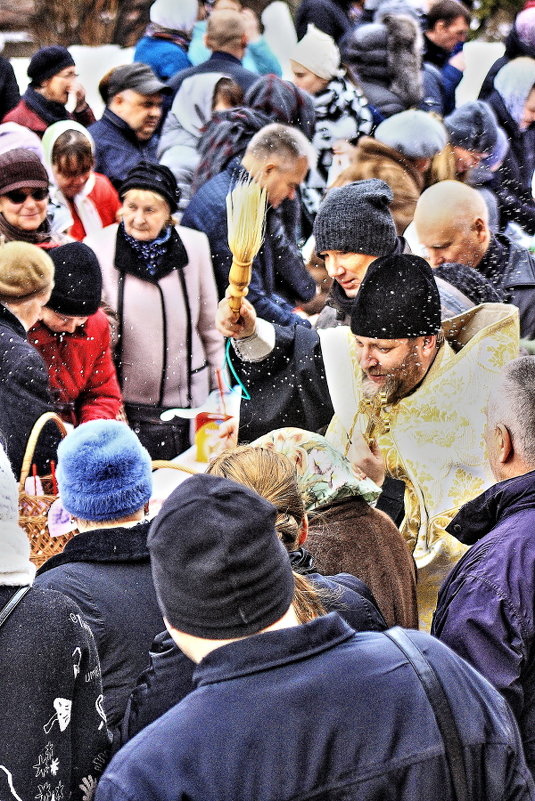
20, 195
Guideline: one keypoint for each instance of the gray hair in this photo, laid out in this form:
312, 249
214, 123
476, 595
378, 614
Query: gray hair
512, 403
282, 141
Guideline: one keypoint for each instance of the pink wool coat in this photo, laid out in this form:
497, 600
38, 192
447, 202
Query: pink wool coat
154, 347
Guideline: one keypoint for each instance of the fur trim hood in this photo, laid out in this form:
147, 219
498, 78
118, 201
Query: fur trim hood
389, 52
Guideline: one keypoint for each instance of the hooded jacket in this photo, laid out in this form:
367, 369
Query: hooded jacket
486, 609
182, 130
386, 58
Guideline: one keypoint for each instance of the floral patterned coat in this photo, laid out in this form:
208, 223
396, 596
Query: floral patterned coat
53, 735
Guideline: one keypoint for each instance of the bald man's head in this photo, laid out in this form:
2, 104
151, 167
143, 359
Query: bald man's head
225, 31
451, 221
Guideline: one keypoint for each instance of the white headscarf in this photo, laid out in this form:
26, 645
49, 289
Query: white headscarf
176, 15
16, 570
87, 211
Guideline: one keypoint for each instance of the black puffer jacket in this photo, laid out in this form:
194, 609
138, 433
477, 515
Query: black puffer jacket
514, 48
385, 57
330, 16
107, 572
512, 181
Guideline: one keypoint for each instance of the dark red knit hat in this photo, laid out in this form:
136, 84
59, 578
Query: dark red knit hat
21, 168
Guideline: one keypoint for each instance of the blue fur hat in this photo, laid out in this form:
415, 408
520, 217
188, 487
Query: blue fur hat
104, 473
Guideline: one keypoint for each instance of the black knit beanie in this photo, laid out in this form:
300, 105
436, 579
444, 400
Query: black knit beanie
397, 299
154, 178
77, 280
48, 62
356, 219
219, 568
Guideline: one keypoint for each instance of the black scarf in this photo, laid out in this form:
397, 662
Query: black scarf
128, 259
48, 110
302, 561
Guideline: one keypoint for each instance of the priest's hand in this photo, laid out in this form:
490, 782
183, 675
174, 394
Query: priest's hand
366, 458
239, 327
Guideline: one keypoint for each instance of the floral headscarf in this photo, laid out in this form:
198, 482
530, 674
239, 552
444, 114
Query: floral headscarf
324, 474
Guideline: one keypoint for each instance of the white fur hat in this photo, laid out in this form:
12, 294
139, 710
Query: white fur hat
177, 15
317, 52
15, 566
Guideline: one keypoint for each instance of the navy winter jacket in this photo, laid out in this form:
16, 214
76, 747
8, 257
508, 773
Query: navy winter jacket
117, 148
319, 711
486, 608
278, 265
168, 679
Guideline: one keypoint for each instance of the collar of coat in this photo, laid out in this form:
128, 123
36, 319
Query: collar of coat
478, 517
13, 322
105, 545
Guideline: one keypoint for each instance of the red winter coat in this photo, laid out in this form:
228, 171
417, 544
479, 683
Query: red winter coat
24, 115
81, 372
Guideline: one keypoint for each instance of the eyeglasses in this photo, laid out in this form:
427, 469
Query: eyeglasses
18, 196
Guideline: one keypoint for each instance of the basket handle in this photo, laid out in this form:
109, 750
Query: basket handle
35, 433
158, 464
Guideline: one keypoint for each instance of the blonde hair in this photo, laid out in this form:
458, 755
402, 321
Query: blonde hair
273, 476
442, 166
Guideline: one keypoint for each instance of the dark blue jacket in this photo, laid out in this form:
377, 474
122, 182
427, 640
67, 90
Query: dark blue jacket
165, 58
225, 63
486, 608
168, 679
278, 268
320, 712
117, 148
107, 572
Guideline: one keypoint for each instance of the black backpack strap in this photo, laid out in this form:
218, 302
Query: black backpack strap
441, 708
12, 603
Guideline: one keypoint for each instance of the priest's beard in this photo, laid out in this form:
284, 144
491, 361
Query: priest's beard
399, 381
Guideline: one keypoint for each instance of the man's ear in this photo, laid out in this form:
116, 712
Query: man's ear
429, 343
505, 449
480, 227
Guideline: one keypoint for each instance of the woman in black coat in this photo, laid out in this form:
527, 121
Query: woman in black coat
513, 102
53, 737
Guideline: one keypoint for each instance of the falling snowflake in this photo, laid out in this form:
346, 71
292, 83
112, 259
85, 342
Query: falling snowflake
54, 766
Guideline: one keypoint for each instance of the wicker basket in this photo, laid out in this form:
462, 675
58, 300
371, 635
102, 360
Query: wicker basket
33, 509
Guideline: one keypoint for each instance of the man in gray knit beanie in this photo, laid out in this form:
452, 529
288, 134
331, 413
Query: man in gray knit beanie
352, 228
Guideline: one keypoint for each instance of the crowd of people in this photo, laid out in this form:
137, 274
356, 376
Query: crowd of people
341, 603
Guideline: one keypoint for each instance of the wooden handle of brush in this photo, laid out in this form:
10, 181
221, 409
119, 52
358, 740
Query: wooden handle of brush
239, 279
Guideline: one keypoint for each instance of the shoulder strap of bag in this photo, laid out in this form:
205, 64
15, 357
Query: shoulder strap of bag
441, 708
11, 604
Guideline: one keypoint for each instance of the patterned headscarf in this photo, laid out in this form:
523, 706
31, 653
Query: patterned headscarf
323, 473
